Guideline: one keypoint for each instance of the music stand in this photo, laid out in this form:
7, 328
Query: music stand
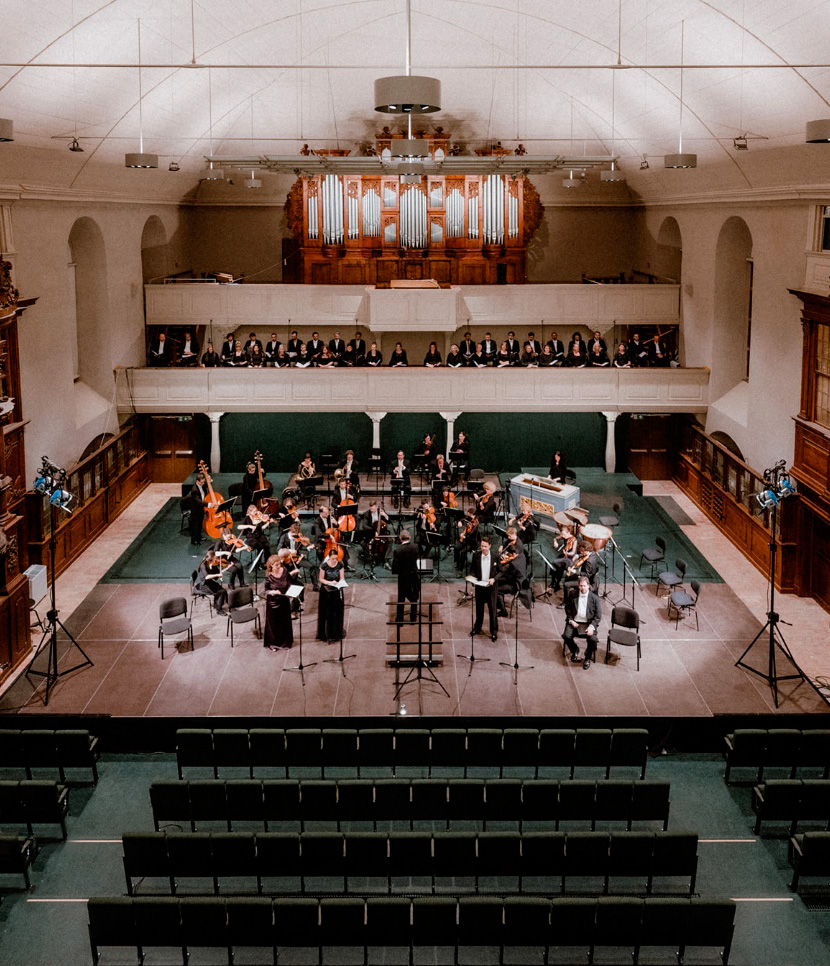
256, 496
437, 540
341, 657
421, 664
227, 506
545, 595
293, 592
308, 490
375, 465
398, 495
471, 657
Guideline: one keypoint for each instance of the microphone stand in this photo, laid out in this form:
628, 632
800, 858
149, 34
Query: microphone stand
301, 666
515, 666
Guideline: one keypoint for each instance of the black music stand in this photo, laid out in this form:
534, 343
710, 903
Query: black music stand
438, 541
546, 593
423, 663
308, 490
341, 657
376, 465
471, 657
398, 496
301, 666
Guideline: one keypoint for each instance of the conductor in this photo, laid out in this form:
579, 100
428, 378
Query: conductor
405, 565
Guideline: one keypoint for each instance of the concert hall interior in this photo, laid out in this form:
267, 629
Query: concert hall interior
531, 437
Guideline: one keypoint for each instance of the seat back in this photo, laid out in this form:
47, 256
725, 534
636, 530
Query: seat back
696, 589
625, 617
174, 607
661, 543
680, 566
240, 597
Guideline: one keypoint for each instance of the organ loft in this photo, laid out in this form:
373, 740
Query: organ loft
360, 229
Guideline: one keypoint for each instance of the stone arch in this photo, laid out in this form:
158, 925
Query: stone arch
733, 253
668, 258
156, 259
89, 257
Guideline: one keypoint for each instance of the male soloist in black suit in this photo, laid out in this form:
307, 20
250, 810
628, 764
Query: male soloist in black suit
405, 565
483, 567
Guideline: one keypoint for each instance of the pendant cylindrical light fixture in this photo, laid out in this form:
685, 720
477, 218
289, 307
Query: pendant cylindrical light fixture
212, 174
253, 181
571, 181
407, 93
6, 129
681, 160
410, 148
817, 132
140, 158
613, 176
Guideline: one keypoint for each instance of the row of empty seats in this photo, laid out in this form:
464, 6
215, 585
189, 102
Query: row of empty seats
318, 924
41, 748
407, 801
547, 859
809, 855
17, 852
33, 803
461, 748
791, 801
791, 748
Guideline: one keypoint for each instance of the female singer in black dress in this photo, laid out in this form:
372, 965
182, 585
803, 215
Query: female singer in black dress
278, 630
330, 605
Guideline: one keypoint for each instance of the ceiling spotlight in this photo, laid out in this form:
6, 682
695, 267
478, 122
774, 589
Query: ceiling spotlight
680, 161
817, 132
612, 176
644, 165
407, 94
75, 147
6, 129
140, 159
571, 181
740, 143
173, 166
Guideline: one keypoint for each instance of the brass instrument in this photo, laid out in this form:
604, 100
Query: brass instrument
306, 472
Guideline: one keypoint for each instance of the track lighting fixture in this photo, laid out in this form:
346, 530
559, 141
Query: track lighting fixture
75, 147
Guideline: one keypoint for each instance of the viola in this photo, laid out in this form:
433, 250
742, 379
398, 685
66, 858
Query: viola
214, 520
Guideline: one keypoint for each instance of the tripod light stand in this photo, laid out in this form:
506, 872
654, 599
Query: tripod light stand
51, 482
779, 488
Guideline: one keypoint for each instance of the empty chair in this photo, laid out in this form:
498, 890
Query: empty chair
204, 922
111, 923
342, 923
231, 749
466, 800
781, 750
454, 855
449, 748
410, 855
76, 748
376, 748
613, 801
356, 800
184, 510
619, 922
576, 801
499, 855
434, 921
339, 748
40, 749
16, 855
173, 619
197, 594
745, 748
241, 610
479, 921
45, 803
629, 747
556, 748
776, 801
711, 922
322, 854
250, 922
672, 579
190, 857
234, 855
158, 922
503, 801
367, 855
684, 603
170, 802
654, 555
412, 749
484, 748
429, 799
624, 631
612, 521
814, 750
194, 746
388, 921
303, 748
208, 803
650, 802
268, 749
809, 854
12, 754
543, 857
145, 857
540, 801
520, 749
319, 801
674, 855
586, 856
392, 801
629, 855
278, 855
245, 802
592, 748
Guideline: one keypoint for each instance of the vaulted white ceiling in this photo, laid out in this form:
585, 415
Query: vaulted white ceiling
268, 76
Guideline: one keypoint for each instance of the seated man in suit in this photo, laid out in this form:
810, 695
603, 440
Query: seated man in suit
190, 351
160, 352
583, 612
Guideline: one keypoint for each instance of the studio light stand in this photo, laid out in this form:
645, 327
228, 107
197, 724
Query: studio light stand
51, 482
779, 487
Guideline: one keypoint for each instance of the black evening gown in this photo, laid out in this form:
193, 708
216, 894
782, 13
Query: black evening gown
330, 607
278, 629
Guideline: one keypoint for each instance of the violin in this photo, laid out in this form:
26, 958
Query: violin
235, 543
506, 555
482, 500
469, 529
430, 517
450, 503
578, 562
214, 521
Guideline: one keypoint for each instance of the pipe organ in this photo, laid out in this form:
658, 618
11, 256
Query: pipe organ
370, 229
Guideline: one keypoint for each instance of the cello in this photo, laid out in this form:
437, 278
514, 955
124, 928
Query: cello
346, 522
215, 521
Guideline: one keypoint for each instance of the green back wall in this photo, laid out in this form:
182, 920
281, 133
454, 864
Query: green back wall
509, 441
283, 438
406, 431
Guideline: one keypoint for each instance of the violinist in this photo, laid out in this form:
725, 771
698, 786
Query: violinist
447, 500
526, 525
289, 514
467, 537
297, 545
426, 522
426, 448
226, 548
566, 546
254, 530
585, 564
209, 580
306, 469
511, 567
486, 503
401, 481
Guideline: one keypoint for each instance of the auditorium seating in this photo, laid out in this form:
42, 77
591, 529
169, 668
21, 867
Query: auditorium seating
809, 855
33, 803
532, 863
367, 748
504, 923
38, 748
265, 803
788, 748
791, 801
17, 852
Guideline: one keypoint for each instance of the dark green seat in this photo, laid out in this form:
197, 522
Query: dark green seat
44, 803
367, 854
76, 748
281, 801
339, 749
388, 922
619, 922
318, 801
410, 855
204, 922
466, 800
613, 801
234, 855
503, 801
454, 854
190, 856
297, 922
520, 749
674, 855
809, 855
744, 748
412, 749
342, 923
434, 921
170, 802
231, 749
303, 748
194, 747
499, 855
392, 801
375, 749
250, 922
650, 802
592, 748
145, 857
355, 800
777, 801
111, 923
814, 750
556, 748
484, 748
208, 803
540, 801
543, 857
710, 922
629, 749
576, 801
629, 855
267, 749
430, 799
480, 921
17, 853
322, 855
278, 856
449, 748
586, 856
245, 801
158, 923
526, 922
573, 923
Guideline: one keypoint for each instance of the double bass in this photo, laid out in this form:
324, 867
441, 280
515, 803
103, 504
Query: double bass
215, 520
265, 503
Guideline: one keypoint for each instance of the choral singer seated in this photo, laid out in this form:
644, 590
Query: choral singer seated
534, 343
211, 359
583, 612
468, 347
398, 357
503, 357
292, 350
529, 356
303, 359
546, 359
326, 360
432, 360
355, 354
637, 352
160, 351
337, 348
190, 351
374, 357
621, 358
239, 357
488, 347
598, 356
272, 347
660, 355
256, 357
597, 339
252, 341
314, 346
577, 357
281, 360
478, 360
454, 358
513, 346
228, 348
557, 347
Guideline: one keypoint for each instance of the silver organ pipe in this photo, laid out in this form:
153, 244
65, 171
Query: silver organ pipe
472, 223
354, 223
493, 211
455, 214
371, 214
332, 210
313, 226
413, 216
512, 216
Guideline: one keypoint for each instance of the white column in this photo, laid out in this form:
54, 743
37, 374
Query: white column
450, 418
610, 448
376, 418
215, 448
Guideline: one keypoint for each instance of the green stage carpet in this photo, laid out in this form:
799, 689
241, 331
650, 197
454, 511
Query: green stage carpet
161, 554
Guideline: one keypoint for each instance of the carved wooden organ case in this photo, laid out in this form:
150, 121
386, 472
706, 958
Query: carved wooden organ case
371, 229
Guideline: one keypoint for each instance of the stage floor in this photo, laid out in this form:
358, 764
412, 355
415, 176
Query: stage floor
683, 672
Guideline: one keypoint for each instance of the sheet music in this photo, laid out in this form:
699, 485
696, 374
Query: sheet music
479, 583
294, 590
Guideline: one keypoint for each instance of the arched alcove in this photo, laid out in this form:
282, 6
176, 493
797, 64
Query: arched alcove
155, 249
733, 286
726, 440
668, 258
88, 256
